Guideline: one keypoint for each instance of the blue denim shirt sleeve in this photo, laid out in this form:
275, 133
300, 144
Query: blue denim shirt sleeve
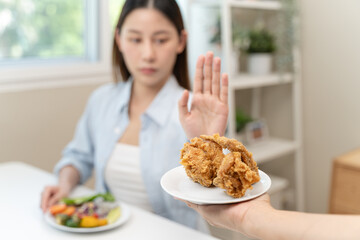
80, 151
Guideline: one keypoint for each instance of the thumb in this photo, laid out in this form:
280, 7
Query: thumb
183, 109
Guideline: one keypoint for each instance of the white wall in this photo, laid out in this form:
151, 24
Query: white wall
331, 86
36, 125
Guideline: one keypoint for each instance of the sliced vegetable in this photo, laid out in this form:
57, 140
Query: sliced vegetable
87, 212
80, 200
70, 210
102, 222
58, 208
61, 218
74, 222
113, 215
89, 222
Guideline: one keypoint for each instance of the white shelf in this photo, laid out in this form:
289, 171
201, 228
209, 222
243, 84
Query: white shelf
271, 149
279, 192
277, 184
256, 4
250, 4
244, 81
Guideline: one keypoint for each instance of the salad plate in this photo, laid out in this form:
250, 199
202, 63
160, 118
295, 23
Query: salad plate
118, 217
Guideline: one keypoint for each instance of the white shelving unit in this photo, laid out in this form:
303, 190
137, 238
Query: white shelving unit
254, 4
246, 81
274, 148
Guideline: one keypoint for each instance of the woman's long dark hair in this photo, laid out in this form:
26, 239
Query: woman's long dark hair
171, 10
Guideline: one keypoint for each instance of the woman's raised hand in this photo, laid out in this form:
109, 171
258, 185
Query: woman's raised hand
209, 106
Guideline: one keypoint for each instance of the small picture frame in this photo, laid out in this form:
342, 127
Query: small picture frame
256, 131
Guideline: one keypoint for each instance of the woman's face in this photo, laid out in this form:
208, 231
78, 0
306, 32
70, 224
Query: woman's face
149, 43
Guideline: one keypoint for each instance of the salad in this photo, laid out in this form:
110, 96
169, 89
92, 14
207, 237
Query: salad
86, 212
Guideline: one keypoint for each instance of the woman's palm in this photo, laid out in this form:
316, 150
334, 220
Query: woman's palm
209, 106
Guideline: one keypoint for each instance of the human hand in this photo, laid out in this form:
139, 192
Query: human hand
209, 107
236, 217
51, 195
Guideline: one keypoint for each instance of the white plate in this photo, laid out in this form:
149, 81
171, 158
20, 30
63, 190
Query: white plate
176, 183
125, 214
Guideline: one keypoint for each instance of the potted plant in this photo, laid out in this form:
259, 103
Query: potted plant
241, 120
260, 49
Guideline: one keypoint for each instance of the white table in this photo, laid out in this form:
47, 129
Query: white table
21, 218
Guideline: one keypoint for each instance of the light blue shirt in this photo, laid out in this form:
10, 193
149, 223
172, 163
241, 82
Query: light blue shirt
160, 140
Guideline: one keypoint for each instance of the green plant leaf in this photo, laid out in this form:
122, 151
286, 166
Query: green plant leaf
241, 119
261, 41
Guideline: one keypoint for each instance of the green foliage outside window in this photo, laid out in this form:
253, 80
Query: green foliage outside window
115, 9
42, 28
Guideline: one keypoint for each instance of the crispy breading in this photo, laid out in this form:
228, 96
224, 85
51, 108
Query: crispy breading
206, 164
201, 160
235, 176
233, 145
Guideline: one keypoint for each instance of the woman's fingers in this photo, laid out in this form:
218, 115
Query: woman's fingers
199, 75
55, 198
224, 88
207, 76
183, 109
189, 204
208, 68
216, 77
45, 198
192, 205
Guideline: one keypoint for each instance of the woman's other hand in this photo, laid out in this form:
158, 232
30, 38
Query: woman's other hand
209, 107
51, 195
69, 177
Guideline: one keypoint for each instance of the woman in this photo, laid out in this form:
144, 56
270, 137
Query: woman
132, 131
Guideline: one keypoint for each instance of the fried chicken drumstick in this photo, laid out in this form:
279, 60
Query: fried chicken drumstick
205, 163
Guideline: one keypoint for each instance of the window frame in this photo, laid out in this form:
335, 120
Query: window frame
29, 74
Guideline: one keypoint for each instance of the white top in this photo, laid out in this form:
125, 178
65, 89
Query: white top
123, 176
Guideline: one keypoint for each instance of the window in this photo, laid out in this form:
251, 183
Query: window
53, 43
46, 29
115, 7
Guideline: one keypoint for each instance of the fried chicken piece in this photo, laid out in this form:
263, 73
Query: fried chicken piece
233, 145
201, 160
235, 176
206, 164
